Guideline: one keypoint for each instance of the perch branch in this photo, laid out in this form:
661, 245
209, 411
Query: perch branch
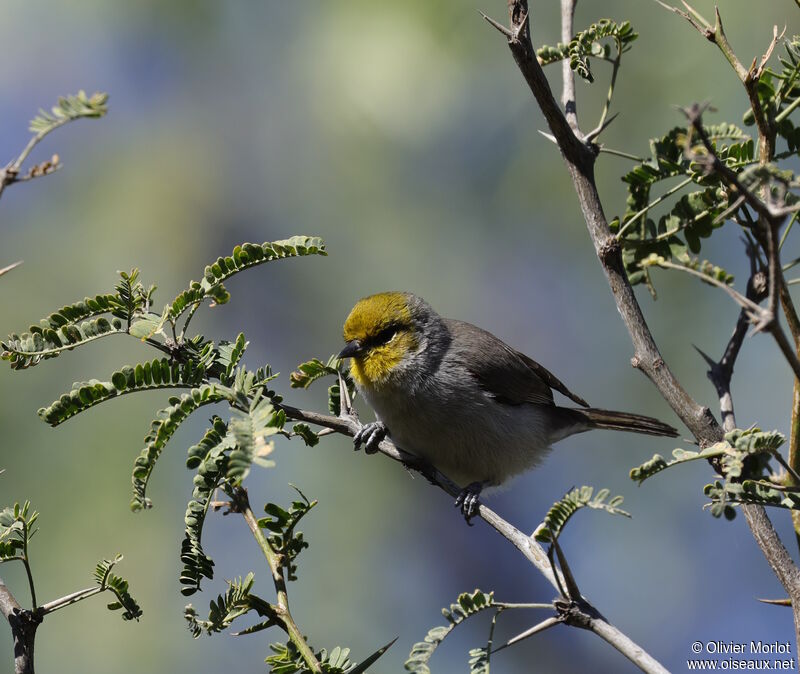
582, 613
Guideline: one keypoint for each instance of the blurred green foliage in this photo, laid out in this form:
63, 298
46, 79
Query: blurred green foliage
403, 135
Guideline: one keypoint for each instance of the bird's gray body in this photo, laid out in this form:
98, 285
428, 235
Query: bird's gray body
478, 410
440, 405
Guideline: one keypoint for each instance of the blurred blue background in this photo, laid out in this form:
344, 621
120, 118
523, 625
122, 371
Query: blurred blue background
404, 135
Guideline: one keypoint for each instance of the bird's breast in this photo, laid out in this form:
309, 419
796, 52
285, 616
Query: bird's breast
460, 429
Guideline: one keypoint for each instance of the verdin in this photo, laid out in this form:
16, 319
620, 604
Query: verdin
459, 397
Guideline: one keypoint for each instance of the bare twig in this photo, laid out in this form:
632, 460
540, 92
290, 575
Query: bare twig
720, 373
70, 599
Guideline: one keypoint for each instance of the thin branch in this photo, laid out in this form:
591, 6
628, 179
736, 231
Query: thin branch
586, 616
604, 122
720, 373
70, 599
652, 204
512, 605
275, 563
568, 99
754, 311
619, 153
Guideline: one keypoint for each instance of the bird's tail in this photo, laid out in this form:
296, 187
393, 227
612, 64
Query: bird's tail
621, 421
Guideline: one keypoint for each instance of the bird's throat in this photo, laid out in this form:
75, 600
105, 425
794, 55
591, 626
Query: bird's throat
375, 368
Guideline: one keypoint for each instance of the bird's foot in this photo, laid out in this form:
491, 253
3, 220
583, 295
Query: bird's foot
467, 500
370, 436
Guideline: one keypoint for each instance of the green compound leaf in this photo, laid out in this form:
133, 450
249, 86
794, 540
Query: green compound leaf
250, 431
228, 357
658, 463
563, 509
479, 660
547, 54
778, 92
210, 458
68, 109
743, 458
39, 343
724, 496
79, 323
155, 374
243, 257
587, 43
119, 586
692, 216
282, 525
468, 604
286, 659
310, 371
80, 311
236, 602
304, 431
16, 530
745, 443
132, 296
161, 430
704, 267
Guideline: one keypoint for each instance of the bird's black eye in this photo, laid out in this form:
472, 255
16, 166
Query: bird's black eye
385, 335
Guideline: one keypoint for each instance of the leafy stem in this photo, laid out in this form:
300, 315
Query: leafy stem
276, 566
630, 221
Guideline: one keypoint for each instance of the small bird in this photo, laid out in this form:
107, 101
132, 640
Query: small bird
461, 398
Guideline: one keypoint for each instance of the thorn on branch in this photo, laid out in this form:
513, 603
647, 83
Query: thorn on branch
549, 136
754, 73
594, 133
693, 17
499, 26
777, 602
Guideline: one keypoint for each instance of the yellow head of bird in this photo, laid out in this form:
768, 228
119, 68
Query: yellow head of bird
380, 334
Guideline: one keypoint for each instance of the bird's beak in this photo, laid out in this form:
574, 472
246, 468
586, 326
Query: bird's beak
353, 348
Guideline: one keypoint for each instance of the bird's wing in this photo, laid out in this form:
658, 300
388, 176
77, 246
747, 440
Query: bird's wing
508, 375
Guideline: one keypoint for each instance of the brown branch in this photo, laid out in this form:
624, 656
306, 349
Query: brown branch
720, 373
770, 219
579, 158
580, 163
23, 629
